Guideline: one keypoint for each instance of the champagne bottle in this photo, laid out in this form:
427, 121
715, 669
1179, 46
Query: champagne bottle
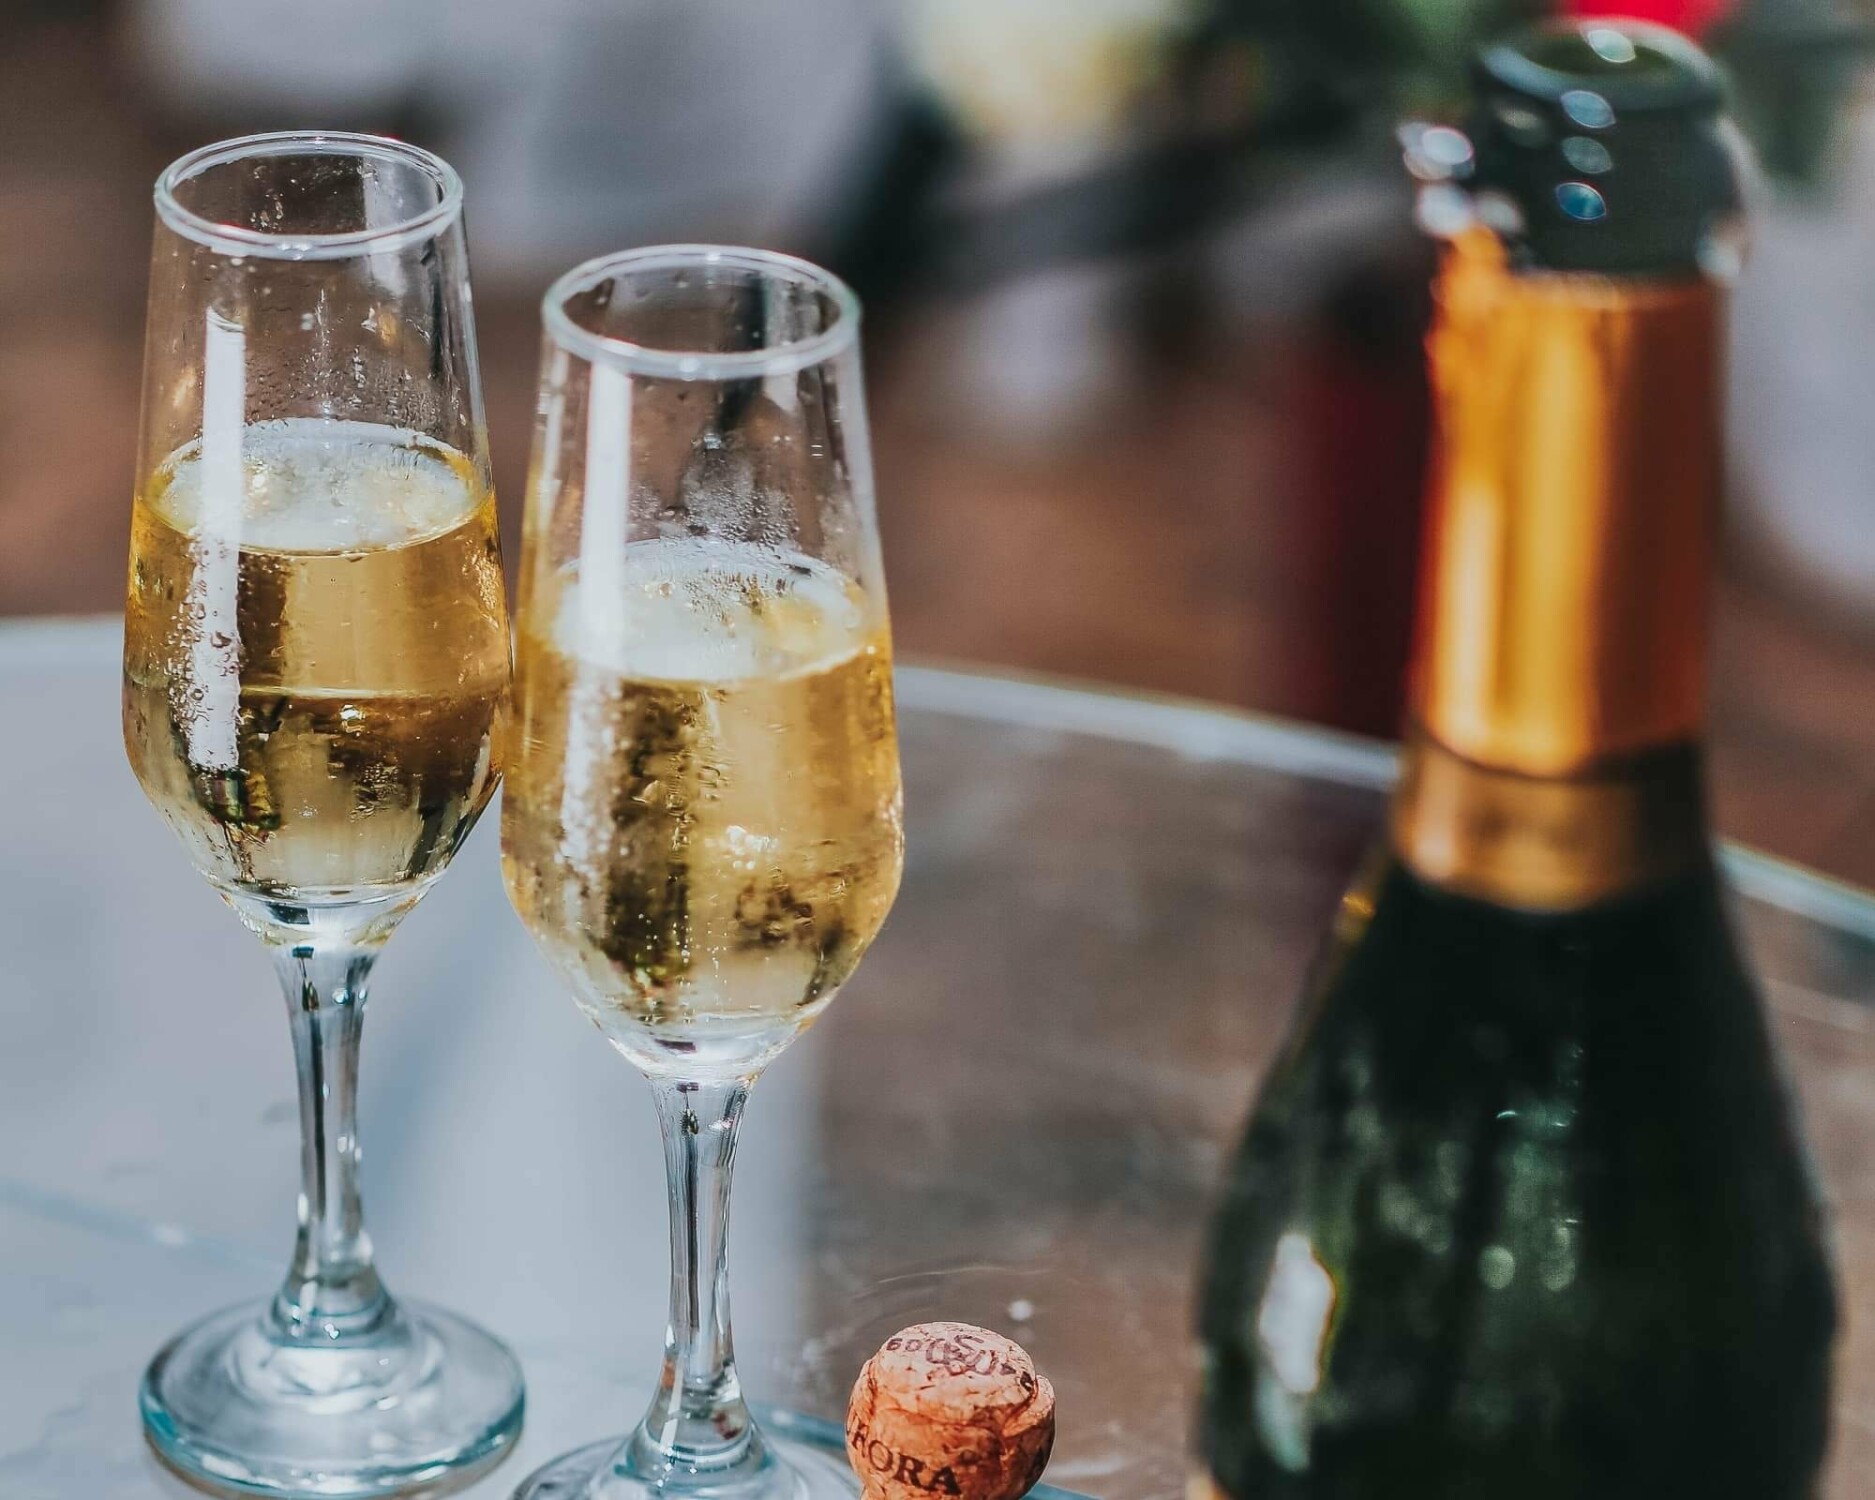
1522, 1211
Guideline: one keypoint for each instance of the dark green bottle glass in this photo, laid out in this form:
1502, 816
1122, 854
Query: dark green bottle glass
1522, 1212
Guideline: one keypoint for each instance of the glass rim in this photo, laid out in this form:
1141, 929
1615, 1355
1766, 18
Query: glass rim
785, 358
238, 239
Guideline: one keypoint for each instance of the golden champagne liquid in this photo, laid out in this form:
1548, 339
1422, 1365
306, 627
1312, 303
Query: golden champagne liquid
702, 818
316, 657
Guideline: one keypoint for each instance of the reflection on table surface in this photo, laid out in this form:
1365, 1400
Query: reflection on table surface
1014, 1116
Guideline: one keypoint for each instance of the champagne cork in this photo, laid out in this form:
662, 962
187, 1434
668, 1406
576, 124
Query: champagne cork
948, 1409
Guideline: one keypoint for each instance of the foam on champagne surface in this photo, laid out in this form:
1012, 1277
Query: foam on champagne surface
706, 611
321, 486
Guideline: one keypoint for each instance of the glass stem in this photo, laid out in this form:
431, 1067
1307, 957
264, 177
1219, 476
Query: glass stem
698, 1423
332, 1291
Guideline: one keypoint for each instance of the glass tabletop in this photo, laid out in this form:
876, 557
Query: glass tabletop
1015, 1115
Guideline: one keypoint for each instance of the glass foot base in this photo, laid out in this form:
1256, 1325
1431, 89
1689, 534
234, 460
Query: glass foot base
427, 1400
802, 1470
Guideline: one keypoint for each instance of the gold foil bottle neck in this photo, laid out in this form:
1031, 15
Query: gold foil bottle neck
1559, 674
1556, 843
1572, 513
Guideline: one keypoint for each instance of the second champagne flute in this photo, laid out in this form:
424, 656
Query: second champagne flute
315, 680
702, 825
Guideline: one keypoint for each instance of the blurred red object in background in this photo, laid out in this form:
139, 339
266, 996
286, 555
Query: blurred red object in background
1359, 414
1690, 16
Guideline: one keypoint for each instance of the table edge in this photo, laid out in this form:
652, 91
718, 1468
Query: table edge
1193, 729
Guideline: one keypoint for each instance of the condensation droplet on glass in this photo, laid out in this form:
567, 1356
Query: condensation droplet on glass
306, 322
1497, 1267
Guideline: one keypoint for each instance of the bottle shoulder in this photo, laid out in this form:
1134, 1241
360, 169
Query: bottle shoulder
1515, 1171
1434, 1000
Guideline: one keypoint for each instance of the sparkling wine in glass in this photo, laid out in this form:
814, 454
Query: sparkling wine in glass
702, 824
316, 670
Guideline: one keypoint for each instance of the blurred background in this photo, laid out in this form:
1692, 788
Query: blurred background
1145, 303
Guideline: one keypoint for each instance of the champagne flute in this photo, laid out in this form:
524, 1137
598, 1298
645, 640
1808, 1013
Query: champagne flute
316, 675
702, 822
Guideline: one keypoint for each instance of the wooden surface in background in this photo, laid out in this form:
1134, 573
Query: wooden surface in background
1173, 542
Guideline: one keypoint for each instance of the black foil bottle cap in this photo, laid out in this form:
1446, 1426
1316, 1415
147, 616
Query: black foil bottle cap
1596, 146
